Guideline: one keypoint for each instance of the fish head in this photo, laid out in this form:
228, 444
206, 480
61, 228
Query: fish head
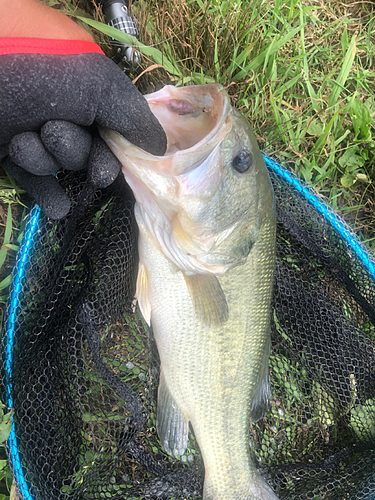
205, 200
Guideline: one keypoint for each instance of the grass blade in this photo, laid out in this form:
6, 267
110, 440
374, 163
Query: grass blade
7, 235
5, 282
146, 50
216, 62
344, 73
286, 86
267, 52
310, 89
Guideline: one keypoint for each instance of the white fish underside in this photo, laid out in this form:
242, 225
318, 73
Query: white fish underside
205, 281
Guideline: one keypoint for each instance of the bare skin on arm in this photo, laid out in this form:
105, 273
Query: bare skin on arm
31, 18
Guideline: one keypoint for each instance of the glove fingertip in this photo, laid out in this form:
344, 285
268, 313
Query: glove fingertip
55, 206
45, 190
27, 151
104, 167
69, 143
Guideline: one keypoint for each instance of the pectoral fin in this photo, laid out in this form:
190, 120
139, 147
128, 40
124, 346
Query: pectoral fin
172, 426
142, 293
208, 298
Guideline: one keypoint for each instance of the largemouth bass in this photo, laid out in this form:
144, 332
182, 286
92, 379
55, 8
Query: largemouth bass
206, 220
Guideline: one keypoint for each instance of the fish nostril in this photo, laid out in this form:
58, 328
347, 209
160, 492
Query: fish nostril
242, 161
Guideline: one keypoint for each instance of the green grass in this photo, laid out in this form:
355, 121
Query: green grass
302, 71
11, 221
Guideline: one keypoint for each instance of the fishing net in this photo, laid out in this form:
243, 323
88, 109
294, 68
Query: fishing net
81, 368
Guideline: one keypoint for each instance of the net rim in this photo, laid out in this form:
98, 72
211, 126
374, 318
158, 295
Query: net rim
333, 218
24, 254
13, 303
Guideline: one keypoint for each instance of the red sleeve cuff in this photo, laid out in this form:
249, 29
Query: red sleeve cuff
46, 46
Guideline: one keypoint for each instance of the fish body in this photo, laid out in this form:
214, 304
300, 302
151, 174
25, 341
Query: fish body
206, 220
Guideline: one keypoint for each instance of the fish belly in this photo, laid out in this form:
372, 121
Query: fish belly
212, 375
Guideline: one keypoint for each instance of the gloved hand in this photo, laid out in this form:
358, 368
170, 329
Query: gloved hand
49, 100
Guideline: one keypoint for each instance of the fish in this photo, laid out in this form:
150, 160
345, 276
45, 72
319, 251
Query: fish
206, 218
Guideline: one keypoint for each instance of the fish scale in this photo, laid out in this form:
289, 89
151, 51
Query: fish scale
207, 250
210, 371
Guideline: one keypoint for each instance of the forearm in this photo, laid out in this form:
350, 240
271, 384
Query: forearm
31, 18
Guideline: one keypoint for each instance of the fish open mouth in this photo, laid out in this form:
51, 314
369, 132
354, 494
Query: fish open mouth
196, 119
189, 115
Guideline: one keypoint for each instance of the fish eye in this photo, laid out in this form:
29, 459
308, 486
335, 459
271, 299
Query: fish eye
242, 161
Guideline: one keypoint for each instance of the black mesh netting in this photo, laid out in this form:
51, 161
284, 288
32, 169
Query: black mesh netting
82, 369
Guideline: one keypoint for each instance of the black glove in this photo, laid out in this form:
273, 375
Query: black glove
48, 102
